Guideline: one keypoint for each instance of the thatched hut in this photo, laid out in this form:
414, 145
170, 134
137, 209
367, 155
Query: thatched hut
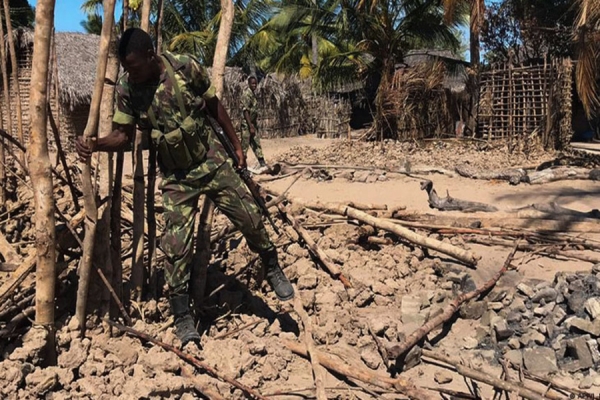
72, 73
428, 97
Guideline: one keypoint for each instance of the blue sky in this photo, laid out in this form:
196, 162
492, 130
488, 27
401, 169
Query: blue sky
67, 15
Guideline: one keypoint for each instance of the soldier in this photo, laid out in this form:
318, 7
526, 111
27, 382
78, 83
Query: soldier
170, 96
250, 136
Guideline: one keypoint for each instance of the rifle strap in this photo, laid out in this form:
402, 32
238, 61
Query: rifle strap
176, 88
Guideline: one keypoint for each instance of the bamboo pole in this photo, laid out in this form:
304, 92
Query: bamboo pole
89, 136
15, 69
41, 173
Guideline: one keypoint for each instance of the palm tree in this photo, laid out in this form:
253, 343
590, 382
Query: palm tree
352, 44
587, 35
93, 24
476, 16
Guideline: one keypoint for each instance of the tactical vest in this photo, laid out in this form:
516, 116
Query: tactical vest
181, 148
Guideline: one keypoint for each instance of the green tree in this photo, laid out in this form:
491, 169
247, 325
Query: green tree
93, 24
528, 29
21, 14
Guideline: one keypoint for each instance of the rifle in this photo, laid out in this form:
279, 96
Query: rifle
242, 172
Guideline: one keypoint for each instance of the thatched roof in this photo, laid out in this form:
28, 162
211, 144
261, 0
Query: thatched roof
456, 76
76, 56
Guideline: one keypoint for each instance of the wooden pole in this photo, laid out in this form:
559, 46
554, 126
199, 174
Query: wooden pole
138, 272
318, 371
89, 197
362, 374
15, 70
105, 165
145, 18
158, 27
218, 72
40, 170
6, 104
150, 191
117, 191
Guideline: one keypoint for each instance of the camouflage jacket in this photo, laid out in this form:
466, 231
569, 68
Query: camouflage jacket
132, 102
250, 104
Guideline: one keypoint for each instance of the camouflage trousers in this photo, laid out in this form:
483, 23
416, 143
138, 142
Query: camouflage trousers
180, 201
248, 140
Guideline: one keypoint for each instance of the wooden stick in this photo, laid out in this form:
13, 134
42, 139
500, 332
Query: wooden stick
188, 358
138, 271
318, 372
314, 249
151, 217
241, 328
480, 376
415, 337
549, 382
537, 225
549, 250
62, 158
17, 277
115, 227
338, 366
90, 135
199, 386
465, 256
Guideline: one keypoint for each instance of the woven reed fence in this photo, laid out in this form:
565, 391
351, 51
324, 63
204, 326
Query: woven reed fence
527, 103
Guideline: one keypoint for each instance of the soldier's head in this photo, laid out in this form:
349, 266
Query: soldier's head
137, 56
252, 82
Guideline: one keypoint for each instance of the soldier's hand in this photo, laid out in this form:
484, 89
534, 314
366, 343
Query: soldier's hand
242, 159
252, 131
84, 150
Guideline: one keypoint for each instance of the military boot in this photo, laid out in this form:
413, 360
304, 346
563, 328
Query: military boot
184, 323
275, 277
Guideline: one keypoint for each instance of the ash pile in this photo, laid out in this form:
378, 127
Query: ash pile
543, 327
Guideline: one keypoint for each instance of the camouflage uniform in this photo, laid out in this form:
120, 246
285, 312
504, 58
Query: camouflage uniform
214, 175
250, 104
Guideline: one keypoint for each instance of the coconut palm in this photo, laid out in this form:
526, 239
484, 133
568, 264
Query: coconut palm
587, 35
476, 16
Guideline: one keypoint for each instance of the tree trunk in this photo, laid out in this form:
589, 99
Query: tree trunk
477, 10
41, 174
145, 22
89, 135
220, 57
6, 92
15, 70
158, 27
202, 256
